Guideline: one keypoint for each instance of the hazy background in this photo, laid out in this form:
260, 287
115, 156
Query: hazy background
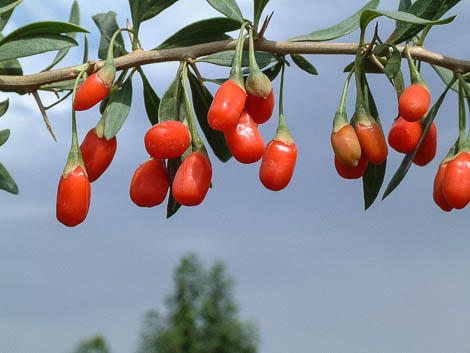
314, 270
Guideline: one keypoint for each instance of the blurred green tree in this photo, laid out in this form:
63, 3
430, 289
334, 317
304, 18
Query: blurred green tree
96, 344
201, 317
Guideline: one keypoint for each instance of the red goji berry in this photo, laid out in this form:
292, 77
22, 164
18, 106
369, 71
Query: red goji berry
150, 183
91, 92
260, 108
457, 181
414, 102
227, 106
167, 139
404, 135
278, 164
192, 180
438, 191
352, 172
73, 197
245, 142
373, 142
346, 146
427, 150
97, 153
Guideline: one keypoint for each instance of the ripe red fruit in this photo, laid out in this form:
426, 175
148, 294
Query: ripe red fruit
352, 172
260, 108
97, 153
457, 181
192, 180
245, 142
438, 191
91, 92
227, 106
73, 197
346, 146
404, 135
278, 164
414, 102
427, 150
373, 142
167, 139
150, 183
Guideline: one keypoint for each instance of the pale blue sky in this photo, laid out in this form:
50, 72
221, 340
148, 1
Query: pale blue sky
314, 270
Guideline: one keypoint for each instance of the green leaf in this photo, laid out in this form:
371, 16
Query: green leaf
258, 7
172, 206
202, 101
4, 135
35, 44
107, 24
370, 66
393, 64
11, 67
4, 107
408, 159
368, 15
75, 19
229, 8
143, 10
38, 28
224, 58
338, 30
373, 178
63, 86
427, 9
302, 62
151, 99
404, 5
446, 76
6, 181
6, 9
372, 181
117, 110
205, 31
273, 71
169, 108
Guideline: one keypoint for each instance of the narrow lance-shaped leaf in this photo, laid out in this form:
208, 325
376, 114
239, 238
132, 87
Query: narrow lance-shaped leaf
75, 19
117, 110
225, 58
142, 10
35, 44
447, 76
408, 159
202, 101
107, 24
151, 99
46, 28
6, 181
258, 8
229, 8
427, 9
4, 107
205, 31
368, 15
404, 5
4, 135
302, 62
374, 176
6, 9
338, 30
169, 108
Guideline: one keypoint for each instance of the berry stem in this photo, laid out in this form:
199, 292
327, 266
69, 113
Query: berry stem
414, 73
196, 141
75, 155
462, 115
236, 73
341, 118
283, 133
254, 68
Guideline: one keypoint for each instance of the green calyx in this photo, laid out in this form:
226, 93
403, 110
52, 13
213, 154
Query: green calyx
257, 83
75, 158
283, 133
99, 128
236, 73
341, 118
415, 76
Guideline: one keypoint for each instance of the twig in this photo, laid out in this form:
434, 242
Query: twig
44, 115
31, 83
